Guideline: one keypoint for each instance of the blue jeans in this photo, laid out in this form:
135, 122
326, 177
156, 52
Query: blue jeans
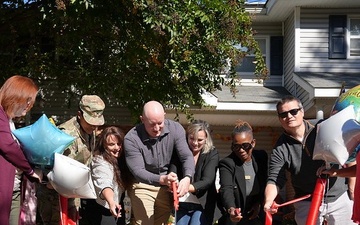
190, 214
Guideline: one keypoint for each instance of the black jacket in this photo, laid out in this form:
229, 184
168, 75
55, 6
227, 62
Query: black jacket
203, 180
233, 183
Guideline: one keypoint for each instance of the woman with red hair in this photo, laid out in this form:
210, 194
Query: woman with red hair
17, 96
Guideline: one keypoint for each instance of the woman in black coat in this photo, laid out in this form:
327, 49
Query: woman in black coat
243, 176
199, 205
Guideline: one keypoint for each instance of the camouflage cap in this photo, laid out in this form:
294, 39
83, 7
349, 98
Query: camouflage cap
92, 107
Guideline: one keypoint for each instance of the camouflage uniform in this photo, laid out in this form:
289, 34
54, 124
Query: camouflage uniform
80, 150
83, 145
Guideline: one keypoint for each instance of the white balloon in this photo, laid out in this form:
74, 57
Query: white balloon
71, 178
337, 137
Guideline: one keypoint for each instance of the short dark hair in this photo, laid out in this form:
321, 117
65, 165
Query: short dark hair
286, 99
241, 127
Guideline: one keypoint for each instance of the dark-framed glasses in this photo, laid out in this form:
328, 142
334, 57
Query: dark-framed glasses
293, 112
237, 147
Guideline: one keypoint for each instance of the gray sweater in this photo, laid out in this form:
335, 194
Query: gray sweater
292, 155
103, 175
148, 158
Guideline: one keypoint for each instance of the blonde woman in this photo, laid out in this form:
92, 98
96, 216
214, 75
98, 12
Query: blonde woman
198, 206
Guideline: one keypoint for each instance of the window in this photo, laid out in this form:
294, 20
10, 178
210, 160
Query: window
344, 36
247, 65
337, 37
354, 33
272, 50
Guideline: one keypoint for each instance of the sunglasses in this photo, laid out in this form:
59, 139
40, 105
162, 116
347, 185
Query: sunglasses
246, 146
293, 112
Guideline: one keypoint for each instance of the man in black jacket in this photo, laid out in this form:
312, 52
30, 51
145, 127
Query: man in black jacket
294, 154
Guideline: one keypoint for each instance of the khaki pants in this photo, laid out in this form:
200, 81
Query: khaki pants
15, 208
150, 205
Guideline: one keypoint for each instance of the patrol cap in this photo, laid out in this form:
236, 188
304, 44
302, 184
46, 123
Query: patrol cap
92, 107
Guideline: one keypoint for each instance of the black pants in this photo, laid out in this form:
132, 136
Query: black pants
92, 213
225, 220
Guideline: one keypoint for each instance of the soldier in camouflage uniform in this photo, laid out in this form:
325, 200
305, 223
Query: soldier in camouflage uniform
82, 127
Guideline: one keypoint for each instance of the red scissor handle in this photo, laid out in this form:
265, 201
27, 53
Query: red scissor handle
175, 195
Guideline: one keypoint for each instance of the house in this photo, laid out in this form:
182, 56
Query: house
311, 47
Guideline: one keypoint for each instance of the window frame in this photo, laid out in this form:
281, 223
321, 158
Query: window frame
349, 36
267, 54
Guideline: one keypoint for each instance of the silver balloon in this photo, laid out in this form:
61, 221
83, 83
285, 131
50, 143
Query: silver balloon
337, 137
71, 178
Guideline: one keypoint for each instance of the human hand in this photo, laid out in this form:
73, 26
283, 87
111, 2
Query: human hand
235, 214
268, 207
332, 172
115, 209
36, 176
183, 187
168, 179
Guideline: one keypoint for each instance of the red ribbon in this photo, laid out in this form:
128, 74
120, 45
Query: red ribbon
268, 219
64, 218
275, 205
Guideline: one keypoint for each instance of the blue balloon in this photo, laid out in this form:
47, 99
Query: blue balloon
41, 140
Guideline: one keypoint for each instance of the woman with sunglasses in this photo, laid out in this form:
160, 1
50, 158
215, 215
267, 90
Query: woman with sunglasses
243, 176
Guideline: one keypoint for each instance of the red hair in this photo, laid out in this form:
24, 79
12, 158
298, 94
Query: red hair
16, 92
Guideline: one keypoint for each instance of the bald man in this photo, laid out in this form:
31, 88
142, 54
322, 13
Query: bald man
148, 149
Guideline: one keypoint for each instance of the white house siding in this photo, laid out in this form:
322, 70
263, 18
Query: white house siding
314, 41
304, 97
267, 29
289, 53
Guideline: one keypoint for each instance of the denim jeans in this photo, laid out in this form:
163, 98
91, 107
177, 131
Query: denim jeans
190, 214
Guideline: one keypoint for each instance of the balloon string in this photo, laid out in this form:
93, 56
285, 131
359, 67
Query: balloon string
326, 185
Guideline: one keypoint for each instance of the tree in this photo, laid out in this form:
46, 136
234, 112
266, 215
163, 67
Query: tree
133, 50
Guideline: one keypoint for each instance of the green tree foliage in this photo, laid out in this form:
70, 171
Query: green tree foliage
133, 50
